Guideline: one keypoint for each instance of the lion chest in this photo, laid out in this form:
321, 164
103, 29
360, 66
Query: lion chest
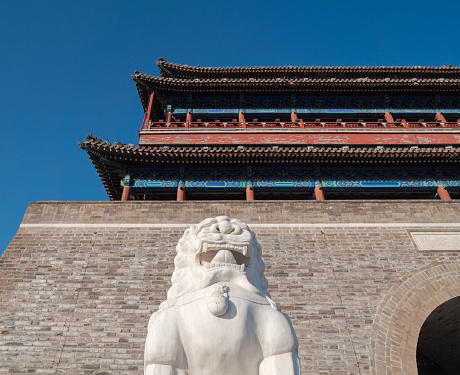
225, 345
189, 335
235, 342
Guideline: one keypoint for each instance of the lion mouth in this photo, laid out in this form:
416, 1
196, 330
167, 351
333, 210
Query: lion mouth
224, 255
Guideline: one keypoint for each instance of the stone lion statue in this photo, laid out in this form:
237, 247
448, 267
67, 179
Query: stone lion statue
219, 318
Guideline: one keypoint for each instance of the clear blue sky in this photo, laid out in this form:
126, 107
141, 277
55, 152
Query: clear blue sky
65, 68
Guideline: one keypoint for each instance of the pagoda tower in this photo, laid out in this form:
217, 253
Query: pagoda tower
289, 133
349, 177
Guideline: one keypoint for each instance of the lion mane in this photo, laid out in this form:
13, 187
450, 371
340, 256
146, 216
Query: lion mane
189, 275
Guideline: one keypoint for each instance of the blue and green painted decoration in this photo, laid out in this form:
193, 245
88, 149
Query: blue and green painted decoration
286, 178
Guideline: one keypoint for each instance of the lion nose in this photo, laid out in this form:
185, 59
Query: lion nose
225, 227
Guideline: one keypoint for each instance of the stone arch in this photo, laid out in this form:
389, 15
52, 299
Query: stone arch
402, 312
438, 347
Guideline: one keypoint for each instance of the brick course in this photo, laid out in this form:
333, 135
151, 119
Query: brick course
80, 279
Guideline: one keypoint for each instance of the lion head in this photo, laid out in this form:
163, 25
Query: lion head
218, 250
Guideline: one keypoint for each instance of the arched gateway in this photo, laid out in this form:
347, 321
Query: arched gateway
438, 346
418, 321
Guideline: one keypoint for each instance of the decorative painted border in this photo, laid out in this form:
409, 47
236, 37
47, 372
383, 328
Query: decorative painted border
334, 185
284, 184
452, 183
328, 185
154, 184
214, 185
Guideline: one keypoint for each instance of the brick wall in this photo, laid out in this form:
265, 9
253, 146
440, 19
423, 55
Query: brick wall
80, 280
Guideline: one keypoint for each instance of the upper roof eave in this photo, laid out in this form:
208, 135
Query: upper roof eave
173, 70
224, 86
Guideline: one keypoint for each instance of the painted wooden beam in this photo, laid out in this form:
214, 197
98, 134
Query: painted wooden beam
300, 138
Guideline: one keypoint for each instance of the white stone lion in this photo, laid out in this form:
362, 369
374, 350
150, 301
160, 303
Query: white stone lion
218, 318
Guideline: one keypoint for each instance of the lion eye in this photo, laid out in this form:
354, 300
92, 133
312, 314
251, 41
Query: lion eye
236, 229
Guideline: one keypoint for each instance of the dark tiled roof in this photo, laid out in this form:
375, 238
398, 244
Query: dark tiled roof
178, 71
110, 159
183, 80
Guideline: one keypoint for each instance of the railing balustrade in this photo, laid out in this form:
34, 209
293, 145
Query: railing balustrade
203, 125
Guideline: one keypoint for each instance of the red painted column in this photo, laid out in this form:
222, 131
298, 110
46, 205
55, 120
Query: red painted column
250, 193
188, 119
440, 117
149, 112
319, 194
443, 193
143, 121
180, 193
294, 118
389, 118
169, 117
242, 119
126, 193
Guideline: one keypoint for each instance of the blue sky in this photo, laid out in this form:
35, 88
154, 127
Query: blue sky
65, 68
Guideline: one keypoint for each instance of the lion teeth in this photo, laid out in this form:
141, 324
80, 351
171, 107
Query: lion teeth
224, 246
239, 267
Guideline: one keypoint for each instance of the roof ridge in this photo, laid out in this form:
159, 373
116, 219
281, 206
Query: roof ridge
138, 75
164, 63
